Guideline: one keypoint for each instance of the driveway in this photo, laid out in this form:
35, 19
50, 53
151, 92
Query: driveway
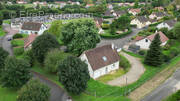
164, 90
121, 41
57, 93
136, 70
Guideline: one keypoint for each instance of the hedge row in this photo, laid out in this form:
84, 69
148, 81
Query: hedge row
115, 36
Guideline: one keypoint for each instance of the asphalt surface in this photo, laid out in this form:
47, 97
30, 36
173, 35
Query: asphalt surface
167, 88
57, 93
119, 43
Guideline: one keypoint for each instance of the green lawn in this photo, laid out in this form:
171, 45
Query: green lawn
2, 33
7, 21
7, 94
17, 42
173, 97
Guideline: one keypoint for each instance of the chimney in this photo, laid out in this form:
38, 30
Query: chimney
113, 47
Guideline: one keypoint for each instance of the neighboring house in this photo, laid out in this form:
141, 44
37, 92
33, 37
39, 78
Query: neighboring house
135, 11
39, 3
99, 22
159, 8
33, 27
61, 3
89, 5
157, 15
108, 13
15, 24
167, 24
141, 21
21, 2
28, 41
145, 42
110, 6
101, 60
119, 13
153, 21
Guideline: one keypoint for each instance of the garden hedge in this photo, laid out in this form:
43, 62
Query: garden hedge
110, 36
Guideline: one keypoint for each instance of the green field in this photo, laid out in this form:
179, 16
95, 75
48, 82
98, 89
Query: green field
7, 94
2, 33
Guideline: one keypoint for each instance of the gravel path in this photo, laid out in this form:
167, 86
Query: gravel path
136, 70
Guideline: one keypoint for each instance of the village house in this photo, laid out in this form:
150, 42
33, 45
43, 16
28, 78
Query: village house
89, 5
159, 8
21, 2
16, 23
167, 24
101, 60
28, 41
145, 42
108, 13
119, 13
39, 3
110, 6
140, 21
99, 22
135, 11
33, 27
61, 3
157, 15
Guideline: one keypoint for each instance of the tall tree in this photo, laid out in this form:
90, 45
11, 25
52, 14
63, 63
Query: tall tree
3, 56
73, 74
15, 73
42, 45
56, 28
177, 30
154, 54
80, 35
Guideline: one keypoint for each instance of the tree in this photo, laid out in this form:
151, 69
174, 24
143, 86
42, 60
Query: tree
154, 54
56, 28
42, 45
53, 58
3, 55
15, 73
136, 5
1, 18
80, 35
34, 91
177, 30
73, 74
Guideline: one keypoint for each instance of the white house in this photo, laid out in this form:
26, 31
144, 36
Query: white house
33, 27
119, 13
141, 21
144, 43
157, 15
167, 24
101, 60
135, 11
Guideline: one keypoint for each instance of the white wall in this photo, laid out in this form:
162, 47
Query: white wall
144, 43
163, 25
138, 23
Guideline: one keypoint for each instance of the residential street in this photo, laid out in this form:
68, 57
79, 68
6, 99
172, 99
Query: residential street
166, 89
121, 41
136, 70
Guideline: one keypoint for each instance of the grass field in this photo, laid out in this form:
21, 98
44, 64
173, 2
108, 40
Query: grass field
2, 33
7, 94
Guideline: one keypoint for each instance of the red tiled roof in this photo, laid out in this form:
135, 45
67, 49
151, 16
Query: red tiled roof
102, 56
29, 40
139, 38
135, 10
163, 37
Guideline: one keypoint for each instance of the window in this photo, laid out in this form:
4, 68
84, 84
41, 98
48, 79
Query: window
104, 58
146, 40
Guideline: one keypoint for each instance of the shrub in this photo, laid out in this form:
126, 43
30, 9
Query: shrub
142, 52
34, 91
28, 55
3, 55
18, 51
174, 97
16, 36
124, 62
53, 57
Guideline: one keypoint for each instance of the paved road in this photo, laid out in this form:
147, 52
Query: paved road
57, 93
135, 72
166, 89
122, 41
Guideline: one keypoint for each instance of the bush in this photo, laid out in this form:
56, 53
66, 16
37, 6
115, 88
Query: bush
18, 51
124, 62
152, 29
53, 58
16, 36
34, 91
28, 55
3, 55
142, 52
115, 36
174, 97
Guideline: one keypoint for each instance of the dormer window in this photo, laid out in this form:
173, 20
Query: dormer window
104, 58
